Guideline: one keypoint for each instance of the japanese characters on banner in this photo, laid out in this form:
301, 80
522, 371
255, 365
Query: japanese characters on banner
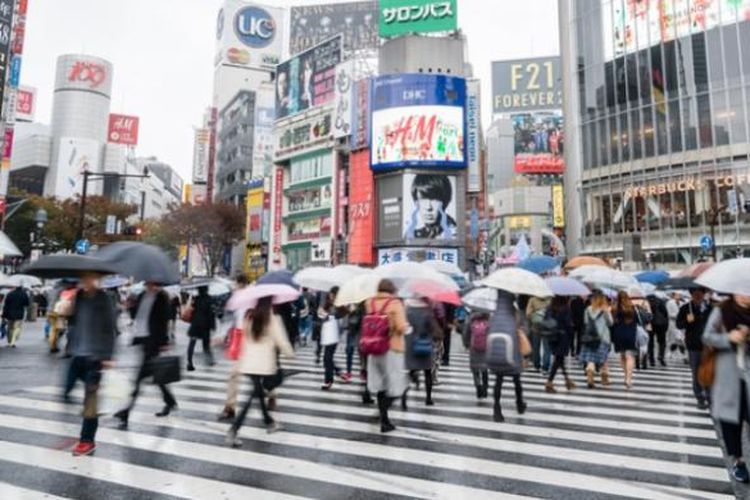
342, 103
356, 21
416, 254
361, 209
361, 114
558, 206
302, 136
25, 104
278, 204
123, 129
473, 136
200, 155
398, 17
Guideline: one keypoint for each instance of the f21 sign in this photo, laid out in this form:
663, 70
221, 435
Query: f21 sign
418, 121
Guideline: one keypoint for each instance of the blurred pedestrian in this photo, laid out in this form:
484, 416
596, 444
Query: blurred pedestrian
305, 318
624, 334
329, 338
233, 384
264, 337
598, 339
420, 344
536, 309
448, 327
692, 318
503, 352
174, 313
675, 334
353, 326
658, 333
475, 340
203, 321
560, 344
14, 312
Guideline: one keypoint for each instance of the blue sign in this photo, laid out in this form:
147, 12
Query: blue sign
706, 242
474, 224
417, 120
15, 72
254, 27
82, 246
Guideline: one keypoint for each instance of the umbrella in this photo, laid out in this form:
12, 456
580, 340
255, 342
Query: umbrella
695, 270
635, 292
280, 277
444, 267
434, 292
140, 261
481, 299
568, 287
653, 277
113, 282
321, 278
648, 289
683, 283
216, 287
402, 273
603, 276
585, 260
23, 280
517, 281
68, 266
539, 264
729, 276
349, 270
248, 297
358, 289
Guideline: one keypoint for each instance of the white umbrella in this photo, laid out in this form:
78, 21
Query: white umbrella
568, 287
403, 273
729, 276
518, 281
603, 276
321, 278
358, 289
483, 299
24, 280
350, 270
444, 267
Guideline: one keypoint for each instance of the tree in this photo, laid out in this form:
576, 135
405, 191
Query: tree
212, 228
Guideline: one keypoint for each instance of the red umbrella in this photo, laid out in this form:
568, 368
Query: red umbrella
434, 292
695, 270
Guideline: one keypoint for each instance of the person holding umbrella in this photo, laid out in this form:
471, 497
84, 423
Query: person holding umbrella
203, 321
598, 339
475, 340
559, 310
233, 384
151, 320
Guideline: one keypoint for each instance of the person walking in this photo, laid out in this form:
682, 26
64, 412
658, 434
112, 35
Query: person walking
675, 334
305, 319
14, 312
420, 344
385, 372
93, 327
474, 339
624, 329
658, 333
264, 337
506, 318
151, 321
329, 338
201, 325
727, 332
174, 313
448, 327
233, 383
536, 309
353, 326
559, 310
692, 318
595, 351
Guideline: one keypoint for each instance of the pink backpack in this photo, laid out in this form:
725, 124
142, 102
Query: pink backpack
479, 329
374, 337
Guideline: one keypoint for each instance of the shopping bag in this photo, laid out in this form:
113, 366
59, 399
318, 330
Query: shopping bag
114, 392
234, 344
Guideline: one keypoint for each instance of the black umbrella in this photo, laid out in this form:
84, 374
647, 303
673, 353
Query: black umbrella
681, 283
140, 261
68, 266
280, 277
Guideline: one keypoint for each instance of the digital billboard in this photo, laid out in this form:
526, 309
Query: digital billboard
538, 142
263, 139
249, 35
417, 121
398, 17
429, 211
307, 79
357, 22
473, 136
526, 84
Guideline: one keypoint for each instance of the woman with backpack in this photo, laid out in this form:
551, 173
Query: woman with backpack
596, 340
559, 310
382, 341
475, 340
264, 337
421, 344
624, 331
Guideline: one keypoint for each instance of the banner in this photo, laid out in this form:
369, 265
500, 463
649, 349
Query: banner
342, 103
361, 114
278, 204
473, 137
303, 136
200, 155
429, 207
254, 264
398, 17
263, 131
25, 104
357, 22
123, 129
558, 206
526, 84
538, 140
361, 209
416, 254
249, 35
390, 209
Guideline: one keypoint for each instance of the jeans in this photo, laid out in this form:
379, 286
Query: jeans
259, 393
557, 364
88, 370
701, 393
447, 345
499, 389
540, 353
352, 345
328, 363
305, 329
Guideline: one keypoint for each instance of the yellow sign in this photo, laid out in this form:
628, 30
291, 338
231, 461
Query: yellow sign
558, 206
187, 193
254, 265
519, 222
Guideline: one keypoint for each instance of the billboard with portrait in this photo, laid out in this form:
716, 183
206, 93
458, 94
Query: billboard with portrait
307, 79
357, 22
418, 120
526, 85
249, 35
538, 142
429, 202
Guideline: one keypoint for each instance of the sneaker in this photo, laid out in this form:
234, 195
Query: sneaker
549, 387
739, 473
232, 440
702, 404
345, 377
429, 402
122, 416
387, 427
88, 447
165, 411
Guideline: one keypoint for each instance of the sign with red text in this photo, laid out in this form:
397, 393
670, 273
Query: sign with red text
123, 129
25, 104
278, 203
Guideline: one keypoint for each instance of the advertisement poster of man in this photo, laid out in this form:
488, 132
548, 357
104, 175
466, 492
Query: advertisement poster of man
538, 142
356, 21
429, 207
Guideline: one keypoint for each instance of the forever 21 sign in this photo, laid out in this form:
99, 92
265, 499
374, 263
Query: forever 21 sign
303, 135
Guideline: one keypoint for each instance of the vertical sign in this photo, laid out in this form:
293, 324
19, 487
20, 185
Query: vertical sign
278, 193
361, 114
558, 206
342, 102
6, 35
211, 155
473, 138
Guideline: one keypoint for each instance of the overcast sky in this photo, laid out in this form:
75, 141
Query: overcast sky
162, 51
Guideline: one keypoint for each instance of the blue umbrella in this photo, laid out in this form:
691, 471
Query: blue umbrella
654, 277
280, 277
539, 264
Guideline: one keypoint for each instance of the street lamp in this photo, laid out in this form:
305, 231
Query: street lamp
40, 218
38, 246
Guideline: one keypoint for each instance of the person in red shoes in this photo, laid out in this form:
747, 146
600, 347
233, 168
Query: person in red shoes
94, 328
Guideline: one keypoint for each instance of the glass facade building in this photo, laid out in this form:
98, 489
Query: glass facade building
659, 92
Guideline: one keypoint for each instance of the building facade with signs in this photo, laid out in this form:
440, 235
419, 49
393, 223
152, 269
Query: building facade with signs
234, 148
656, 100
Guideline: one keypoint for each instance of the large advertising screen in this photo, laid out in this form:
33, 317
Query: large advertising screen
398, 17
263, 139
538, 142
200, 154
307, 79
357, 22
74, 156
526, 85
249, 35
429, 207
418, 121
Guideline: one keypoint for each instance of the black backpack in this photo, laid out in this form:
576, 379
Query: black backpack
660, 317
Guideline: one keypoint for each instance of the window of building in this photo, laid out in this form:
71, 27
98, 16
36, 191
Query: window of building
736, 111
603, 141
721, 115
624, 137
311, 167
744, 32
614, 140
689, 124
648, 131
704, 120
715, 59
636, 134
732, 64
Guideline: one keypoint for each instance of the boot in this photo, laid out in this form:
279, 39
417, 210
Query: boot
521, 407
366, 398
479, 392
404, 406
166, 410
605, 377
497, 414
569, 384
122, 416
227, 415
550, 387
590, 378
385, 422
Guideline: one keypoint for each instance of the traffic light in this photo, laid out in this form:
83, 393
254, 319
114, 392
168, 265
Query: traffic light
132, 231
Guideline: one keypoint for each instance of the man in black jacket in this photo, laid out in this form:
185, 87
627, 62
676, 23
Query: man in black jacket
14, 311
659, 327
692, 318
151, 322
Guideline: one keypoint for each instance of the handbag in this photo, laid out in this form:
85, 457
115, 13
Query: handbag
707, 368
186, 314
421, 346
165, 369
524, 345
329, 332
233, 347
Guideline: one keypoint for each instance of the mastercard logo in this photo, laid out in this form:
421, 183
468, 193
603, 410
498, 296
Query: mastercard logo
238, 56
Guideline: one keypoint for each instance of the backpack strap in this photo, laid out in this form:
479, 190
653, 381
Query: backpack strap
385, 305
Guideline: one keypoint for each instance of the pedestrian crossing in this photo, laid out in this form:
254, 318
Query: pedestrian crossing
650, 442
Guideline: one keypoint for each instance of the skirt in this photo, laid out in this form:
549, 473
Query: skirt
385, 373
597, 355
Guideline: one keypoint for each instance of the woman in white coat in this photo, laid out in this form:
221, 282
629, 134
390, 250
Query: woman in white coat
264, 336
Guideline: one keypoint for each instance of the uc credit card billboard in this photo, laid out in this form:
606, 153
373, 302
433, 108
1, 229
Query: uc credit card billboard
418, 120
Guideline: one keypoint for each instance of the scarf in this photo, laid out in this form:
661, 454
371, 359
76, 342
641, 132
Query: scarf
732, 315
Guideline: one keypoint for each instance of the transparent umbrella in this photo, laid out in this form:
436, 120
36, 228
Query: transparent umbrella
729, 276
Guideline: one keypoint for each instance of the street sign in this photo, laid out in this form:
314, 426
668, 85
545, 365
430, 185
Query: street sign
706, 242
111, 224
82, 246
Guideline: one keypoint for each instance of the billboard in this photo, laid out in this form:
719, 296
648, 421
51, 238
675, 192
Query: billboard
123, 129
398, 17
278, 206
526, 85
417, 254
302, 136
200, 155
357, 22
429, 202
473, 136
25, 104
74, 156
342, 103
361, 209
538, 142
307, 79
360, 114
263, 141
254, 264
90, 74
315, 227
249, 35
198, 194
312, 198
417, 121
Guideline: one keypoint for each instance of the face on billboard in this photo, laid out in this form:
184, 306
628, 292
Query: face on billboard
538, 142
355, 21
430, 207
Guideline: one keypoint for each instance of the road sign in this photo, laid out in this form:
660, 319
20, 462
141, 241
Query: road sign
706, 242
82, 246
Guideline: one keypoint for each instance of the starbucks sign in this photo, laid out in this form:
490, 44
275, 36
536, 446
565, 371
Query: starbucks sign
398, 17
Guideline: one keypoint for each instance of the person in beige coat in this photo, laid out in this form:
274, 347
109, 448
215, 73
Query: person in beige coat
264, 336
